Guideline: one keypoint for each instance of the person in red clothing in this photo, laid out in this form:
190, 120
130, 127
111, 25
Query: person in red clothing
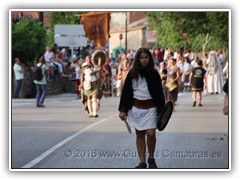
159, 56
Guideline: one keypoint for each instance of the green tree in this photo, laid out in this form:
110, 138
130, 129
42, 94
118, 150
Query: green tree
28, 40
218, 24
192, 30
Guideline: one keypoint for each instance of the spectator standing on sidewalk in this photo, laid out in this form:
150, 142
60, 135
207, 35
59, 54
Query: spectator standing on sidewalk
19, 76
41, 85
198, 81
141, 101
75, 75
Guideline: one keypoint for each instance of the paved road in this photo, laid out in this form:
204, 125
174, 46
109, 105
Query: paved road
62, 136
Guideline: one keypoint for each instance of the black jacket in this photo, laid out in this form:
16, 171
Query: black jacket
154, 86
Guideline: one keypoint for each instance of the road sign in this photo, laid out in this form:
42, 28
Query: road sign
151, 36
70, 35
120, 36
66, 30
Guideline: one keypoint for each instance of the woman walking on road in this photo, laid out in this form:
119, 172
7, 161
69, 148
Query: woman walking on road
41, 85
172, 77
198, 81
141, 101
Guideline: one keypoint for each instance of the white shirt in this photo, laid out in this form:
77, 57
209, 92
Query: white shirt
191, 56
180, 66
186, 67
77, 69
194, 63
88, 76
47, 56
16, 69
140, 89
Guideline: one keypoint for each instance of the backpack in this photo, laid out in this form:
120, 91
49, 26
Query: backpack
37, 73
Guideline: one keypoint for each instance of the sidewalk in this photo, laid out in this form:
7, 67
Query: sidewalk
61, 97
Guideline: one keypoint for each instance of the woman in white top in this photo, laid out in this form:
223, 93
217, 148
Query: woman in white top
141, 101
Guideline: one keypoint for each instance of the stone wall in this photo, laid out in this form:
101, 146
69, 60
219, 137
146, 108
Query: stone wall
56, 86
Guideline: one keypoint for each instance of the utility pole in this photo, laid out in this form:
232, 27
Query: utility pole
126, 19
41, 17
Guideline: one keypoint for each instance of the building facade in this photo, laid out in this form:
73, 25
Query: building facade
133, 25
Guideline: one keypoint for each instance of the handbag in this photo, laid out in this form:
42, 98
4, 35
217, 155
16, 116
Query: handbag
171, 86
87, 85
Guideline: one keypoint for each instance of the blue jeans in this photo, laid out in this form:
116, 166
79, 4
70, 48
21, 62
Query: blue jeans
41, 93
18, 88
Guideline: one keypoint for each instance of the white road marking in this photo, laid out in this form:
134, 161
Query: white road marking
61, 143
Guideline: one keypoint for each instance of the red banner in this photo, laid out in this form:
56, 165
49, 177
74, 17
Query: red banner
96, 27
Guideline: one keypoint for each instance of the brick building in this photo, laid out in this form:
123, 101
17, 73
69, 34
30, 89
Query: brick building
16, 15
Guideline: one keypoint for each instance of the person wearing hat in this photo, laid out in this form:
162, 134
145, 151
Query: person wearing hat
90, 86
141, 101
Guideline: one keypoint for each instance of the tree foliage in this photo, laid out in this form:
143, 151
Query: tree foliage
189, 29
28, 40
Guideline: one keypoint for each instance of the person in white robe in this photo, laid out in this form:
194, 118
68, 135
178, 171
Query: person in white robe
220, 61
212, 70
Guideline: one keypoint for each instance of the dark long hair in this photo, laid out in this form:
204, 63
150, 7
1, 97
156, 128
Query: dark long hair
137, 70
